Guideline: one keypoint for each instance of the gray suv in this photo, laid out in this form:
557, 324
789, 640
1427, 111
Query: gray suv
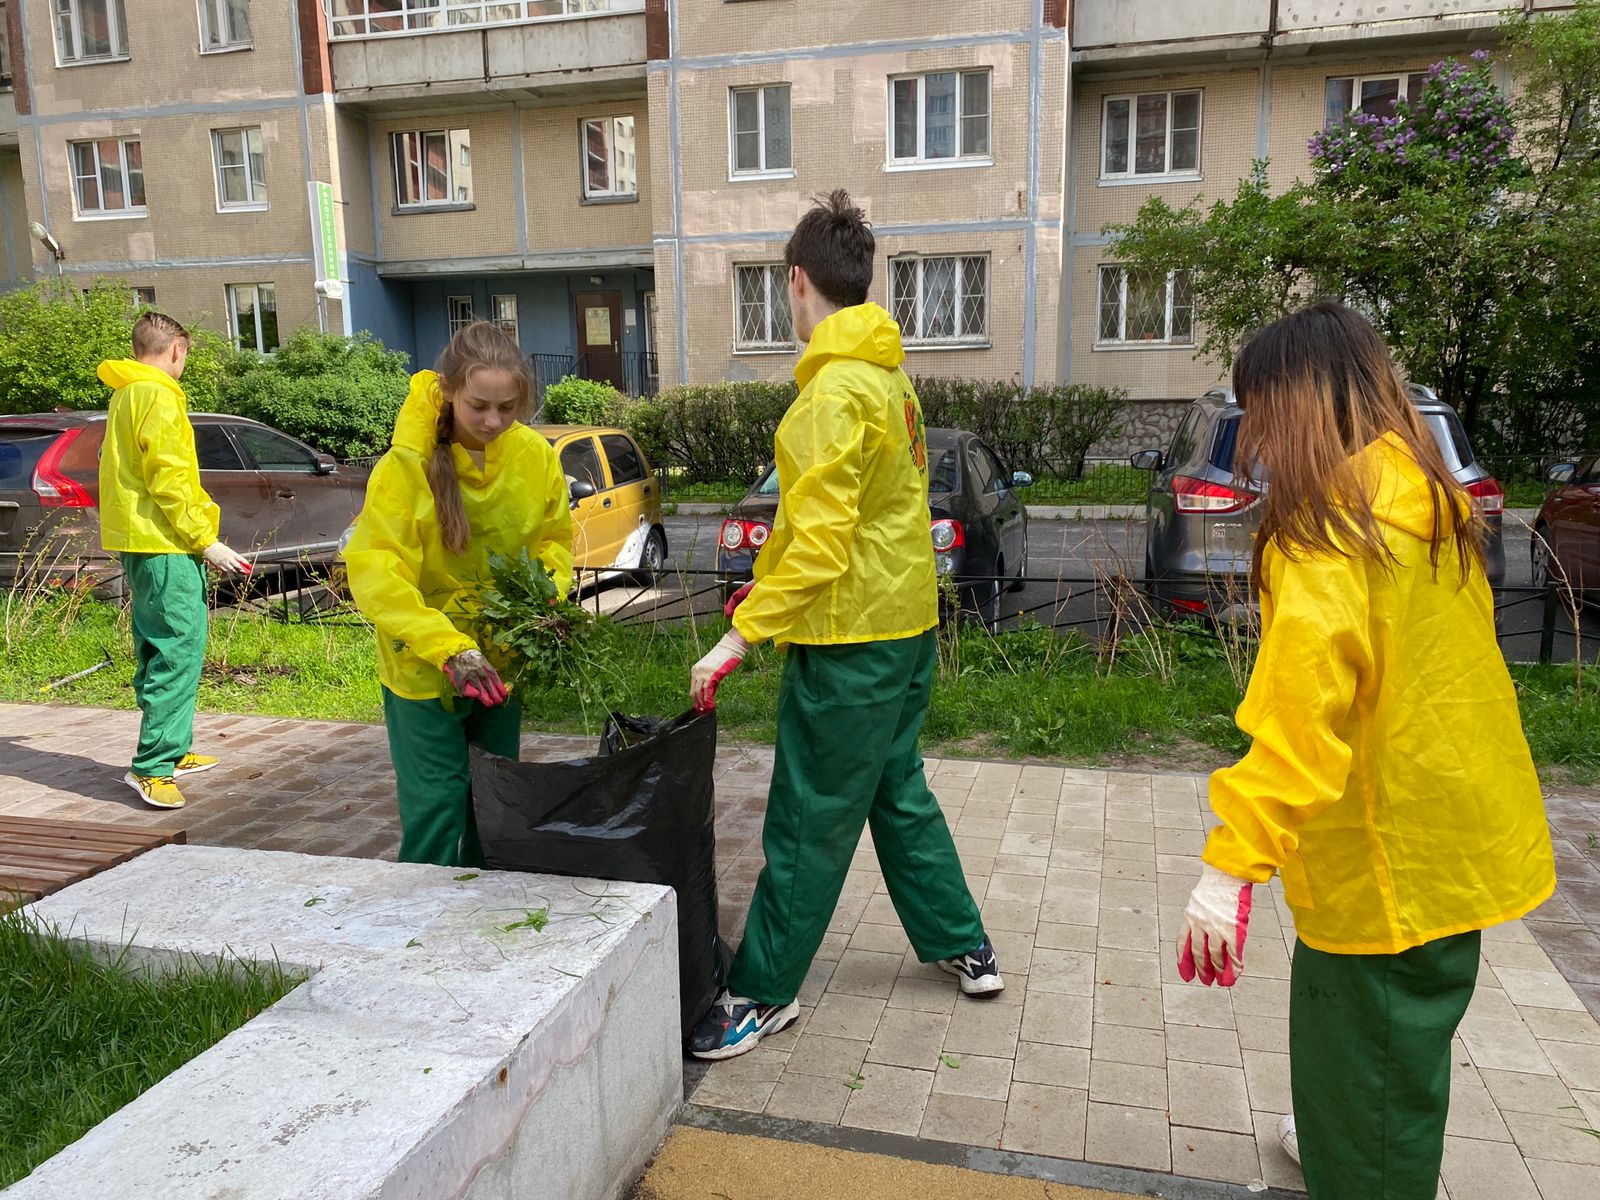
1201, 525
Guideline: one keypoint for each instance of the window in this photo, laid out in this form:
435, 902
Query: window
627, 466
503, 312
224, 25
942, 117
89, 30
433, 168
144, 297
275, 452
253, 316
241, 167
759, 130
941, 301
985, 474
1373, 94
215, 449
5, 51
1155, 133
610, 162
108, 178
1142, 306
761, 308
459, 309
580, 464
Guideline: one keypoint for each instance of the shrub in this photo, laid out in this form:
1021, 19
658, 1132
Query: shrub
710, 432
576, 401
341, 395
1045, 430
53, 339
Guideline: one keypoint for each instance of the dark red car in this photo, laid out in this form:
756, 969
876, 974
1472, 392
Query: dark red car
281, 501
1566, 533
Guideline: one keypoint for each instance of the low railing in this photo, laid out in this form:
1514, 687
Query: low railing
548, 369
377, 18
638, 368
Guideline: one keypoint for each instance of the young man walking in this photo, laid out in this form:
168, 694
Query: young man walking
847, 582
155, 514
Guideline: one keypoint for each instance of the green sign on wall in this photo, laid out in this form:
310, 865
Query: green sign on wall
325, 229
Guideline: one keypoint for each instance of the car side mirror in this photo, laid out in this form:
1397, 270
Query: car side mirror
1021, 479
327, 464
1561, 474
1146, 460
581, 490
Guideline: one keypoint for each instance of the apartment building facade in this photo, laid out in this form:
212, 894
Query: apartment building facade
613, 180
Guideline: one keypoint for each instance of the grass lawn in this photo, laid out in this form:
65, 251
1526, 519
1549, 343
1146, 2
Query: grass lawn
1166, 701
84, 1037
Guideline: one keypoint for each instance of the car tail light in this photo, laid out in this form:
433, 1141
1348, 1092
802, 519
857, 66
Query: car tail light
55, 489
1203, 496
948, 535
1489, 495
1189, 606
739, 535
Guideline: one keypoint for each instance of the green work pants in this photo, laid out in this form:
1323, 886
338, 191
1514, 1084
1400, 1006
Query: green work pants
848, 720
1369, 1059
433, 771
168, 593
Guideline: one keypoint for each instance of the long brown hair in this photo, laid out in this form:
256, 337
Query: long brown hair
475, 347
1317, 387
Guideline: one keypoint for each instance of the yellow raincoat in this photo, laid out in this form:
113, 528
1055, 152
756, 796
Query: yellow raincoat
850, 558
1389, 780
151, 501
419, 595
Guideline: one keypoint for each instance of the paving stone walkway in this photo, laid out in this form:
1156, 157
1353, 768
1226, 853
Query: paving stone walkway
1095, 1051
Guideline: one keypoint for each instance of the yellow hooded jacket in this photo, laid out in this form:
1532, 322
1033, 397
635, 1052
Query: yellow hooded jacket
1389, 780
850, 558
420, 596
151, 501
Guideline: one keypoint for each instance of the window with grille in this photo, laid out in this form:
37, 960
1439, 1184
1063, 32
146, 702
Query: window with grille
459, 310
761, 308
433, 168
610, 159
503, 310
1141, 307
1153, 133
253, 316
1375, 95
758, 120
942, 117
241, 160
941, 301
224, 25
89, 30
108, 178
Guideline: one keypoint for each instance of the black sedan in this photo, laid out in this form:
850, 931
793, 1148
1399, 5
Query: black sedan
977, 521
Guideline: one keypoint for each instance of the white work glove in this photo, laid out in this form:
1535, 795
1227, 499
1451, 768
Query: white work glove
1215, 925
224, 559
471, 675
711, 670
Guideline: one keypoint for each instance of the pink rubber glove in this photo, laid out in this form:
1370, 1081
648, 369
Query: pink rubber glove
471, 675
1217, 921
737, 599
711, 670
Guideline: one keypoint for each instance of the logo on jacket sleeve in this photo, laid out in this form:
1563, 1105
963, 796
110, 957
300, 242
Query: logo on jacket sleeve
917, 432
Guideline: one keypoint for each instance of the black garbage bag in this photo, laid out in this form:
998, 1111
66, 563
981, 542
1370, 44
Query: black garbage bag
640, 811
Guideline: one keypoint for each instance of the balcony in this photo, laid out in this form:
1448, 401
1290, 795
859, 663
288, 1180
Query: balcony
406, 50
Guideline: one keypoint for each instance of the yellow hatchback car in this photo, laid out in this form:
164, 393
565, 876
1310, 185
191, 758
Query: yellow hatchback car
616, 500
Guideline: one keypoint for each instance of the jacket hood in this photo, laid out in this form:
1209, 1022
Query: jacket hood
417, 427
1401, 497
120, 372
864, 332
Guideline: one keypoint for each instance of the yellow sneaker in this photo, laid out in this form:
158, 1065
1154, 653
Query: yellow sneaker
193, 764
158, 791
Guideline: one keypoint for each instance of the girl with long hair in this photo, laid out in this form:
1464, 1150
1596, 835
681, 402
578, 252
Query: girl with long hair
463, 478
1388, 780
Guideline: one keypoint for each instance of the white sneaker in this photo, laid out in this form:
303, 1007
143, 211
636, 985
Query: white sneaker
1289, 1139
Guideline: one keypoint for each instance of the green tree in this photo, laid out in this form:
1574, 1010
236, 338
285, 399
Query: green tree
54, 337
1467, 225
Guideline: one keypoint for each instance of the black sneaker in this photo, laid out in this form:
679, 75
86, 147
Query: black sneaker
978, 971
736, 1025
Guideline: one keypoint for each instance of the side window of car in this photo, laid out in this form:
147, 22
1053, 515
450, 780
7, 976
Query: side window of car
626, 464
1002, 479
216, 450
982, 470
581, 464
274, 452
1184, 439
1588, 472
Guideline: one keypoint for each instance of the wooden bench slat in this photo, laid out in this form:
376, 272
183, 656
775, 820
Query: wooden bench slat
88, 829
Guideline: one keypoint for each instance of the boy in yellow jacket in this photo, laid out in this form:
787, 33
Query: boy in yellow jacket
847, 583
155, 514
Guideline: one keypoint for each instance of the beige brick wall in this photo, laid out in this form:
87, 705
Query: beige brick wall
1168, 373
708, 27
558, 217
16, 259
489, 229
354, 184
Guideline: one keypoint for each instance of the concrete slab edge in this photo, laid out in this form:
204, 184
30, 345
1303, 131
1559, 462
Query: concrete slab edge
976, 1158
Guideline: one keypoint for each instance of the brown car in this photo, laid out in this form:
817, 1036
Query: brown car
281, 501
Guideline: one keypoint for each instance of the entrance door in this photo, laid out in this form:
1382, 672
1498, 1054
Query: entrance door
600, 337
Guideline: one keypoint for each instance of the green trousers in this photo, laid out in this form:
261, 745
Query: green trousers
433, 772
168, 592
848, 720
1369, 1057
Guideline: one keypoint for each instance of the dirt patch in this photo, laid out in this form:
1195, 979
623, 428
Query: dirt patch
1179, 756
243, 676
